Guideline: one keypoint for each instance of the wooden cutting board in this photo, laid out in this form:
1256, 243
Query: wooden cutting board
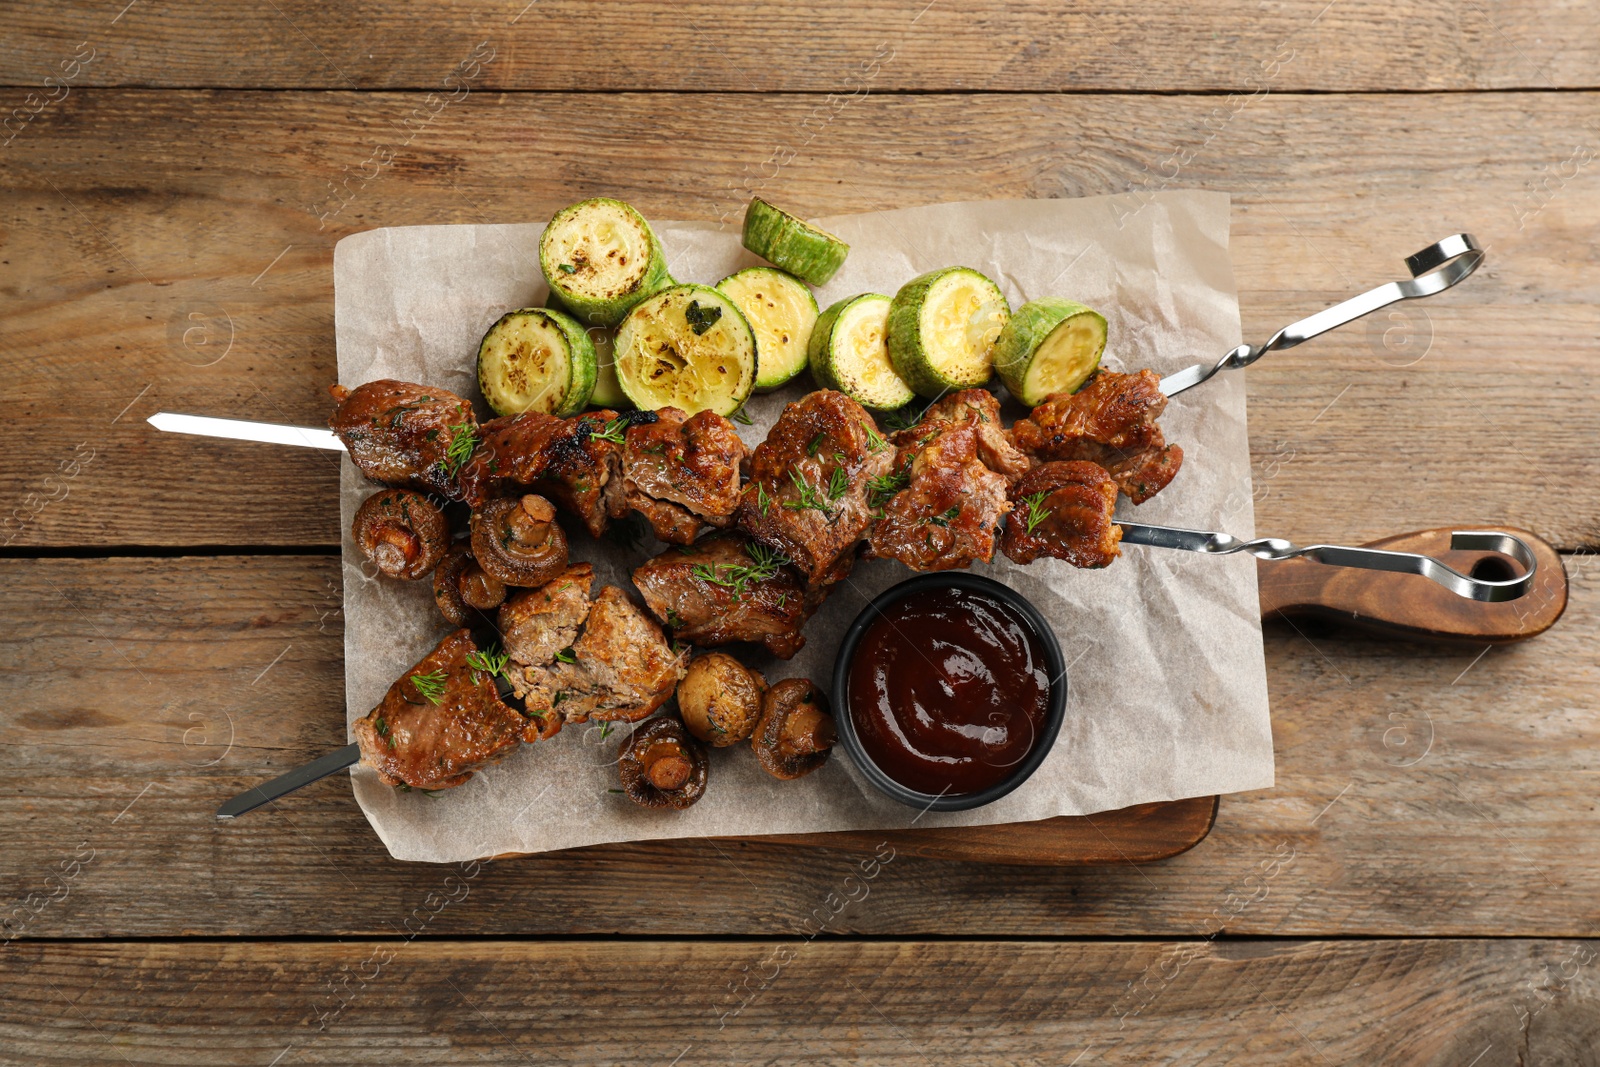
1395, 605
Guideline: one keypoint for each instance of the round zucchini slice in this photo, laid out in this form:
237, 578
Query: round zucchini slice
688, 347
600, 258
782, 312
536, 359
809, 253
1049, 346
942, 329
849, 353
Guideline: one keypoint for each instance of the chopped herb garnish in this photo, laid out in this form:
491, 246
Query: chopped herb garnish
763, 501
1037, 512
613, 431
674, 620
490, 661
614, 790
430, 685
701, 319
903, 418
557, 699
566, 655
808, 495
605, 730
946, 518
882, 489
566, 268
838, 483
764, 563
463, 442
742, 416
815, 445
874, 441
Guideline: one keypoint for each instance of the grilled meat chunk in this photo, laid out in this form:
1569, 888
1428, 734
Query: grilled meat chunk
724, 588
996, 449
537, 626
1064, 509
949, 513
620, 669
807, 494
682, 473
1110, 421
413, 741
406, 435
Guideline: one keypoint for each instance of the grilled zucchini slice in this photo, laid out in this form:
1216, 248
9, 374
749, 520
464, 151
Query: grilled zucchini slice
942, 330
600, 258
809, 253
849, 353
536, 359
1049, 346
782, 312
688, 347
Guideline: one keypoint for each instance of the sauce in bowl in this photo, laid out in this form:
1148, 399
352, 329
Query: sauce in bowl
949, 690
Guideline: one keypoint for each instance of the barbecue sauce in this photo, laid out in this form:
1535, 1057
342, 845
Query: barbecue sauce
948, 691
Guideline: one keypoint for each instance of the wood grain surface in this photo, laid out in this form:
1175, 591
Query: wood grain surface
1421, 885
1503, 1003
1463, 407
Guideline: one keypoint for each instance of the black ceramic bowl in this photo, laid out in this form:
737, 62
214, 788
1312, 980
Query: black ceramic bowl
846, 727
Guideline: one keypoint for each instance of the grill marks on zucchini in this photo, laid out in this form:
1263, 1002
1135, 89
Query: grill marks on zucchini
600, 258
782, 312
536, 359
849, 353
688, 347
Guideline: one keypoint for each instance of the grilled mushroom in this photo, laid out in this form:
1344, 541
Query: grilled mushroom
402, 532
662, 766
795, 732
720, 699
460, 586
518, 541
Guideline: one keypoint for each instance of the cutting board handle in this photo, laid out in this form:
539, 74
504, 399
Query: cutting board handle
1412, 606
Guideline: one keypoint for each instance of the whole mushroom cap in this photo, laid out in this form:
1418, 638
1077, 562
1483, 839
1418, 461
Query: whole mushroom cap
518, 541
720, 699
461, 587
402, 532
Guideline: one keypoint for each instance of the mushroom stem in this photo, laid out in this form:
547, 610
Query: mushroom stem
395, 549
529, 524
666, 765
808, 731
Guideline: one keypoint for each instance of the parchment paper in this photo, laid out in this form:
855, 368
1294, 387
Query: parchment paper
1168, 694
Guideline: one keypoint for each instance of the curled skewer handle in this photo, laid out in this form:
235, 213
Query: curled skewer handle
1433, 270
1483, 589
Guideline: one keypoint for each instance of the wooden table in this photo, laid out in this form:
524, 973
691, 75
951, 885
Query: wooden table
1419, 888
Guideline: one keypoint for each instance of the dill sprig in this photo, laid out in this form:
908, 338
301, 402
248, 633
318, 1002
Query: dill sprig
1037, 512
430, 685
874, 440
764, 563
884, 487
491, 661
838, 483
763, 501
740, 415
904, 418
613, 430
463, 442
566, 655
945, 518
809, 497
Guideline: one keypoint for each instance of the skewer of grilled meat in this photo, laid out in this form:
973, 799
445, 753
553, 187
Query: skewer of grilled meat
1064, 510
1110, 421
405, 435
726, 588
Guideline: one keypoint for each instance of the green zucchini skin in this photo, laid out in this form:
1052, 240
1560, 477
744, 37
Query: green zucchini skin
817, 348
836, 364
908, 346
493, 362
608, 308
811, 254
1023, 341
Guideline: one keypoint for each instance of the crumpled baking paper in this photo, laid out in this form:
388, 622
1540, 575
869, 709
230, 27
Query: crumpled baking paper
1167, 681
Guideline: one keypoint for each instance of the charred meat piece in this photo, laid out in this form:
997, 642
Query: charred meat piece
996, 449
620, 669
724, 588
576, 462
1064, 510
807, 494
406, 435
949, 513
1110, 421
402, 532
440, 722
682, 473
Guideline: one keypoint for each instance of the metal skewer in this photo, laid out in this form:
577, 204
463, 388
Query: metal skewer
1372, 559
1433, 270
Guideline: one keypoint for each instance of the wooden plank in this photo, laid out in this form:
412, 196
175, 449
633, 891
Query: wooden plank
1484, 1003
142, 244
1421, 790
874, 45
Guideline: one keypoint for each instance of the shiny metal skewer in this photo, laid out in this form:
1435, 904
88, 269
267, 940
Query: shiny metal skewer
1433, 270
1373, 559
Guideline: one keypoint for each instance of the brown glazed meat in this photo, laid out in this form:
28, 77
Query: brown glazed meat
682, 473
698, 592
401, 434
1110, 421
1069, 506
577, 462
949, 514
807, 494
795, 733
461, 587
518, 541
996, 449
413, 741
537, 625
662, 766
619, 670
401, 532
